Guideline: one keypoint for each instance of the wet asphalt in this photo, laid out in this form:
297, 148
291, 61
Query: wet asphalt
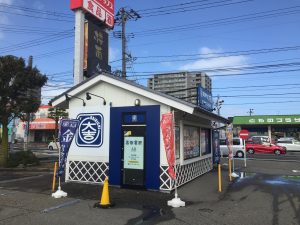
252, 198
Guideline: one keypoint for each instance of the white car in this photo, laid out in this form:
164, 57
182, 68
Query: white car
53, 146
290, 144
237, 147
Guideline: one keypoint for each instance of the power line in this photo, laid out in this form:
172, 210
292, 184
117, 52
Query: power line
260, 95
52, 13
225, 55
222, 21
33, 13
36, 17
163, 12
255, 86
261, 103
36, 42
14, 29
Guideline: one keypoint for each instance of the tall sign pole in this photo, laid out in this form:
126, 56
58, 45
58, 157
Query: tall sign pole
102, 11
79, 46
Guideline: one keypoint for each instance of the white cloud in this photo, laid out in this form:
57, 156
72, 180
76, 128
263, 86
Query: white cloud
210, 61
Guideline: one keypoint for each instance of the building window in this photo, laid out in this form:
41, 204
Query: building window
191, 142
205, 141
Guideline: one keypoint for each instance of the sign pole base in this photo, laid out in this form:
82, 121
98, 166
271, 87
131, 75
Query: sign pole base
59, 193
176, 202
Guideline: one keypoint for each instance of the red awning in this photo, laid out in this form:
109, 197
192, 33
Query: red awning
42, 124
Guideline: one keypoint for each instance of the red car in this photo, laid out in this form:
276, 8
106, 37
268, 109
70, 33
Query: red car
252, 148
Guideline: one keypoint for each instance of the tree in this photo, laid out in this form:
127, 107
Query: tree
19, 94
56, 114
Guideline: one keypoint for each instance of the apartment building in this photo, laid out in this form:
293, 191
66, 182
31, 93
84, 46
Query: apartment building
182, 85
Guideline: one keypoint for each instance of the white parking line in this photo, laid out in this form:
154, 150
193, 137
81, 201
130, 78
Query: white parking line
21, 179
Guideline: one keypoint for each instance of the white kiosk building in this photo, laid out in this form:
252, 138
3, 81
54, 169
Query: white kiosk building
119, 135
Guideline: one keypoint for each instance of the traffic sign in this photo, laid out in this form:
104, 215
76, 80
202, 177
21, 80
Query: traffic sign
244, 134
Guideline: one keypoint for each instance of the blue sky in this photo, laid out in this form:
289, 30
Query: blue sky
250, 48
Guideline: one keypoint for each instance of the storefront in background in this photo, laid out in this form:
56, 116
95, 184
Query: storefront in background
276, 126
119, 135
41, 128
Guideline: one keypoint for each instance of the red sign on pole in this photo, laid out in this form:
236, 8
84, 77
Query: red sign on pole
244, 134
102, 9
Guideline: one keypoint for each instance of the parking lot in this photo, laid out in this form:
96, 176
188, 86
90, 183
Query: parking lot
267, 192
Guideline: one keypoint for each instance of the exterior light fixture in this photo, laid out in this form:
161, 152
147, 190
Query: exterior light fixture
68, 98
137, 102
88, 97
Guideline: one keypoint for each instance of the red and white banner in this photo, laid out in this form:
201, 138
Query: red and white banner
102, 9
167, 128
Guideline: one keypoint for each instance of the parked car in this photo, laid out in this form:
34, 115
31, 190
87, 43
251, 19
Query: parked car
263, 147
237, 147
290, 144
52, 145
259, 139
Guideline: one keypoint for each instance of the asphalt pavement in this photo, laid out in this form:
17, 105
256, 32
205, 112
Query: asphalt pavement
252, 198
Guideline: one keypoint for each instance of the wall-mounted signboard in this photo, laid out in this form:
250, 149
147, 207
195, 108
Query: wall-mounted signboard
265, 119
95, 48
205, 99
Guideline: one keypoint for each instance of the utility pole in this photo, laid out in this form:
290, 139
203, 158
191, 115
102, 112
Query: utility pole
123, 44
218, 105
250, 112
121, 18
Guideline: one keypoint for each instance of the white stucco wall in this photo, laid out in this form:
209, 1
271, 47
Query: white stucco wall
116, 97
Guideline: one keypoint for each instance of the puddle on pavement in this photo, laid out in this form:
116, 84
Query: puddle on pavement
246, 174
150, 213
272, 180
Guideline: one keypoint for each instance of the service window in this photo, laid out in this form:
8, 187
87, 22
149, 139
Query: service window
191, 142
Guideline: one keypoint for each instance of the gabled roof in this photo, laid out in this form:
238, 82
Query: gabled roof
139, 89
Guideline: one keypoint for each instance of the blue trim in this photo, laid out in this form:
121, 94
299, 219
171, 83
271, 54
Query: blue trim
152, 162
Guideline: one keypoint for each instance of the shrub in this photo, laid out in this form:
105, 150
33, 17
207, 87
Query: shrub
22, 157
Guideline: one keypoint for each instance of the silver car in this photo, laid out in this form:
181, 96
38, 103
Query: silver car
237, 147
289, 143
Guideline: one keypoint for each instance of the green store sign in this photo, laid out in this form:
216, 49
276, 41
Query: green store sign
266, 120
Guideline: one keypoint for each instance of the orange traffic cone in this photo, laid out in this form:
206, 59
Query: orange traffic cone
105, 202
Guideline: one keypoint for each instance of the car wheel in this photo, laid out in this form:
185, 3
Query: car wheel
251, 151
277, 152
239, 154
50, 148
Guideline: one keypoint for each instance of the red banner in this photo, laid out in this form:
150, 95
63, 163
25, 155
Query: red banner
167, 129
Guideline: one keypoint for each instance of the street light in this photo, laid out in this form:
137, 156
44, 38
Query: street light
88, 97
68, 98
